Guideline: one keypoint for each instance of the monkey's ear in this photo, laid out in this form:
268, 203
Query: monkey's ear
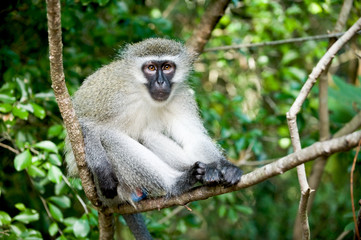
192, 55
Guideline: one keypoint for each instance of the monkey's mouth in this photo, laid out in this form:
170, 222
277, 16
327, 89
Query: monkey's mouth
160, 95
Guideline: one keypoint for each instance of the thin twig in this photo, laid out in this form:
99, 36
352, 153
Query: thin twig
9, 148
170, 215
273, 43
66, 180
48, 212
351, 190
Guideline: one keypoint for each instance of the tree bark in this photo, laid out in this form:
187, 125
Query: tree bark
209, 20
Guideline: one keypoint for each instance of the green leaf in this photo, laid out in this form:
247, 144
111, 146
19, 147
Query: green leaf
81, 228
20, 112
55, 175
61, 201
7, 98
5, 218
18, 228
102, 2
56, 213
55, 159
53, 229
244, 209
222, 211
6, 107
35, 171
20, 206
61, 188
284, 143
55, 131
26, 107
27, 216
61, 238
38, 111
47, 146
314, 8
22, 160
21, 85
70, 221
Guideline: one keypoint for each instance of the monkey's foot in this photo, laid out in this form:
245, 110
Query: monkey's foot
108, 185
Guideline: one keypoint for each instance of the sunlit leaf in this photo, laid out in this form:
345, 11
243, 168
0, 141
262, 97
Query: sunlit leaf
22, 160
61, 201
20, 206
55, 175
56, 213
55, 130
38, 111
47, 146
55, 159
7, 98
27, 216
81, 228
6, 107
5, 218
21, 85
20, 112
18, 228
53, 229
35, 171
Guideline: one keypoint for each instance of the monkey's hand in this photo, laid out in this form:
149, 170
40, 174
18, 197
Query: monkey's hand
197, 172
222, 172
212, 175
108, 184
188, 179
230, 174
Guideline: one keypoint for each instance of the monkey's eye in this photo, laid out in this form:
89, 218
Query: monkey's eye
151, 68
167, 67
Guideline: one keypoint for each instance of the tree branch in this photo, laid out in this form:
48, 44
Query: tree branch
63, 98
67, 111
258, 175
274, 43
202, 33
319, 165
294, 110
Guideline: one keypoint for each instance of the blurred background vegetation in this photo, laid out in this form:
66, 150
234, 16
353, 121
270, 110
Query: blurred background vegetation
243, 96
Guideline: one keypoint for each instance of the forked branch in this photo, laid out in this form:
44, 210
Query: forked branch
294, 110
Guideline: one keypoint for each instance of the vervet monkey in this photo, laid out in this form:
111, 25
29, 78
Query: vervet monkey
142, 131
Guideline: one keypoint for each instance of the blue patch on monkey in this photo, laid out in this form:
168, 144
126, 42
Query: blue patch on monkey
139, 195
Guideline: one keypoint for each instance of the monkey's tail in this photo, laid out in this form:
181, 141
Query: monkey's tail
137, 226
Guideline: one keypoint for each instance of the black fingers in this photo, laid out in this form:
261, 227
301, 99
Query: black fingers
212, 176
231, 175
224, 173
198, 170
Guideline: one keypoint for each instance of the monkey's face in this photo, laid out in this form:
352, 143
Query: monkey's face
159, 75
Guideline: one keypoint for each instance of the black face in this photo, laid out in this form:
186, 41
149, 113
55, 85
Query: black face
159, 75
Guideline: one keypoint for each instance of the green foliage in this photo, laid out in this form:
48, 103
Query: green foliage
243, 96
